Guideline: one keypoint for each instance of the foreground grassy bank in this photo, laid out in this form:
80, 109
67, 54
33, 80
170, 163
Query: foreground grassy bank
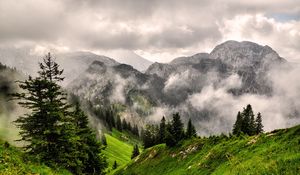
277, 152
13, 161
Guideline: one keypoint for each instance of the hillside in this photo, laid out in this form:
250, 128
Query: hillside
119, 148
13, 161
277, 152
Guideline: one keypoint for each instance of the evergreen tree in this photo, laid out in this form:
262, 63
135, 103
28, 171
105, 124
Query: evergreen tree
129, 127
177, 128
124, 124
248, 115
119, 123
135, 151
103, 140
115, 165
237, 127
135, 130
259, 125
91, 157
50, 129
149, 137
252, 125
191, 131
162, 130
169, 138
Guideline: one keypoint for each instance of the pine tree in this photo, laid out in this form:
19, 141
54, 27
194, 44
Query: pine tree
237, 127
252, 125
135, 130
169, 138
92, 158
103, 140
50, 129
124, 125
162, 130
259, 125
191, 131
177, 128
119, 123
247, 124
135, 151
115, 165
149, 137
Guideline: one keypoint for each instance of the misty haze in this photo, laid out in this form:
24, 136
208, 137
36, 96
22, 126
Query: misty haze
149, 87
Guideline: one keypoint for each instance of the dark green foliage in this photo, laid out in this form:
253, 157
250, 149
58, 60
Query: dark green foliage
258, 123
124, 124
169, 138
190, 131
237, 127
150, 134
135, 130
115, 165
171, 133
108, 115
55, 134
246, 122
135, 151
162, 130
103, 140
177, 129
91, 157
119, 123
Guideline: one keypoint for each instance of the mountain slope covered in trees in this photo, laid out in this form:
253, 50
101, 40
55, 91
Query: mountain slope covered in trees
276, 152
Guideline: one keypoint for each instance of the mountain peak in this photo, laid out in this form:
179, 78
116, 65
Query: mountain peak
245, 54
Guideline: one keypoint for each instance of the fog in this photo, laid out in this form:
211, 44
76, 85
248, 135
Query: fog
279, 110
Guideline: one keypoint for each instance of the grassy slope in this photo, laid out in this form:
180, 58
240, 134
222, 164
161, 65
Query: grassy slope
13, 161
119, 148
272, 153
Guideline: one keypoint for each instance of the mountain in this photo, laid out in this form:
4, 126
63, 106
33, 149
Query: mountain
191, 85
73, 63
131, 58
276, 152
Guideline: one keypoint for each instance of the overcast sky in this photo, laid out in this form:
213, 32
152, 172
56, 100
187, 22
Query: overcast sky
158, 30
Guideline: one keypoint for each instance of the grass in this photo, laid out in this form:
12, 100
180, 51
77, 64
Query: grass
119, 148
277, 152
13, 161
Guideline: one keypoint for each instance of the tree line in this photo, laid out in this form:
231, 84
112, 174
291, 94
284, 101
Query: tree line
55, 131
246, 122
111, 119
171, 132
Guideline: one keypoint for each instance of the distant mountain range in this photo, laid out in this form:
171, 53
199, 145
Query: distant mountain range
234, 67
184, 84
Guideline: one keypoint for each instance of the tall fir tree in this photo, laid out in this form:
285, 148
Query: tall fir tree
162, 130
135, 151
247, 127
259, 125
169, 137
119, 123
115, 165
190, 131
50, 129
92, 158
237, 127
177, 128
